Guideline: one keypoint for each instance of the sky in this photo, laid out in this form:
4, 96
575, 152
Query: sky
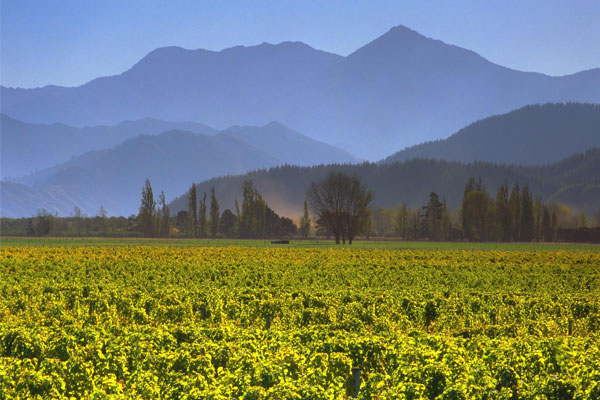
69, 42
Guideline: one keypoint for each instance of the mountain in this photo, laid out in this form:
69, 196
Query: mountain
574, 181
290, 146
530, 135
171, 160
26, 148
398, 90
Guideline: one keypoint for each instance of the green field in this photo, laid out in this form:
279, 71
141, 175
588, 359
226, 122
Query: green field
359, 244
106, 318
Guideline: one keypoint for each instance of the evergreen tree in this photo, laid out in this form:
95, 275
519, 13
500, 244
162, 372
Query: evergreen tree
432, 214
538, 217
446, 224
475, 210
503, 213
253, 216
164, 217
514, 205
527, 218
402, 221
546, 225
202, 216
214, 213
192, 225
147, 209
305, 221
227, 224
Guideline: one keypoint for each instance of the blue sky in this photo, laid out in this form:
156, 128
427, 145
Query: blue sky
69, 42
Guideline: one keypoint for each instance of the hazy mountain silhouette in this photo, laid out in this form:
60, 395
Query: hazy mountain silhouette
171, 160
530, 135
398, 90
27, 147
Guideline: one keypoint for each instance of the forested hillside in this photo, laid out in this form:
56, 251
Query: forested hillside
535, 134
574, 181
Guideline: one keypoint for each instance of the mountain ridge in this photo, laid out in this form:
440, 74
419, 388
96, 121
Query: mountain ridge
554, 130
397, 90
171, 160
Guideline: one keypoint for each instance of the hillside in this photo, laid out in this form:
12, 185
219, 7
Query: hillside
172, 160
530, 135
26, 148
398, 90
574, 181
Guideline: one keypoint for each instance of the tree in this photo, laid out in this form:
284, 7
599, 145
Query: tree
446, 223
227, 223
514, 205
202, 216
503, 213
402, 221
214, 213
44, 222
253, 215
547, 225
432, 214
102, 216
164, 216
476, 207
182, 221
78, 217
192, 225
147, 208
342, 203
305, 222
527, 222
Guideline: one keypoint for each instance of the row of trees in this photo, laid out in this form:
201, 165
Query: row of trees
255, 219
154, 218
512, 216
340, 204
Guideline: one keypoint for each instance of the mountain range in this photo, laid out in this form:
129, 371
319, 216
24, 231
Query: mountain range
26, 148
401, 89
172, 160
534, 134
574, 180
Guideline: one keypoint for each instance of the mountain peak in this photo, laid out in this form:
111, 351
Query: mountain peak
404, 30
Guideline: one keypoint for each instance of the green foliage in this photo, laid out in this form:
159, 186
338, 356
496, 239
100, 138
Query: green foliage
159, 322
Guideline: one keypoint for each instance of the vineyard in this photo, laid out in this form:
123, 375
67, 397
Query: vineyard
271, 323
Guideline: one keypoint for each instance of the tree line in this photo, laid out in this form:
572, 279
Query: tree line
254, 219
340, 206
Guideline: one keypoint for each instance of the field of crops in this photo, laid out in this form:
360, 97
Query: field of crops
264, 323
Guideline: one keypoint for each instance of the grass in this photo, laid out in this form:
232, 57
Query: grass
359, 244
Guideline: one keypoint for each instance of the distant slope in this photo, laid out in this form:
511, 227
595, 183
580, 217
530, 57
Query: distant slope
574, 181
398, 90
290, 146
171, 160
27, 147
530, 135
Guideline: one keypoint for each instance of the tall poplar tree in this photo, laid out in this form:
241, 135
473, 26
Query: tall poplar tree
514, 204
527, 220
305, 221
503, 213
214, 213
192, 212
202, 216
147, 210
